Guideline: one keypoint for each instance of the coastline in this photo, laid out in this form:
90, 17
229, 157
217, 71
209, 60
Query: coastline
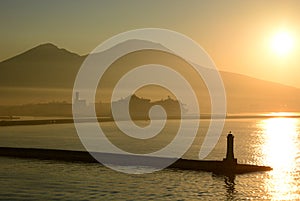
18, 121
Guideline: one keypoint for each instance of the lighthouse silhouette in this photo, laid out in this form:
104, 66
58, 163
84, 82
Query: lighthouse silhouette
230, 160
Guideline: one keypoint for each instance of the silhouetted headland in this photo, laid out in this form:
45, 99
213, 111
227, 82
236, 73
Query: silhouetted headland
228, 166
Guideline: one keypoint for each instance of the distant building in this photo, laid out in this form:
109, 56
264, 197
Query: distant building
78, 102
80, 106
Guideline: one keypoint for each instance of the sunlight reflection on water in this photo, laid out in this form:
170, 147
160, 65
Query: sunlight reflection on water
272, 140
280, 149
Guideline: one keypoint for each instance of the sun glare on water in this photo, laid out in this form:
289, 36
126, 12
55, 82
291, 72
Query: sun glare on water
280, 148
282, 43
281, 142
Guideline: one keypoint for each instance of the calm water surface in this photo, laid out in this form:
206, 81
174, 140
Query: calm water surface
262, 141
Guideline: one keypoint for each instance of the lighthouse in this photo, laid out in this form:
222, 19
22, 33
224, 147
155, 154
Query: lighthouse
230, 153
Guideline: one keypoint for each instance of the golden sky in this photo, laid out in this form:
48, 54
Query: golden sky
255, 38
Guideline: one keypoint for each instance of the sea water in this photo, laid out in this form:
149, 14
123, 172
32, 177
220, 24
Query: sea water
272, 141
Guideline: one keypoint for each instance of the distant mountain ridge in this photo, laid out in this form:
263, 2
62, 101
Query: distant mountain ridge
48, 67
39, 67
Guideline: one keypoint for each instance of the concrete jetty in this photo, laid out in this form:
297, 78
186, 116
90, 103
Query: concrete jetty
227, 166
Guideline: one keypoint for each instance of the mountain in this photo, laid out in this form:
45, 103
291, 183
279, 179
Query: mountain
248, 94
47, 66
42, 66
46, 73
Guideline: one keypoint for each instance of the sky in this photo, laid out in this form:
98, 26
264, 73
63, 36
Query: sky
238, 35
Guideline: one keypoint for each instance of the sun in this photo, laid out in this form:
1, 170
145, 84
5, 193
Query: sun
282, 43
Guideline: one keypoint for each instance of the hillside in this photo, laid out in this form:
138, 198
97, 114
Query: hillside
247, 94
46, 73
44, 66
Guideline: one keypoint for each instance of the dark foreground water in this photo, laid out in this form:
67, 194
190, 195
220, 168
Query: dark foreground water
48, 180
265, 141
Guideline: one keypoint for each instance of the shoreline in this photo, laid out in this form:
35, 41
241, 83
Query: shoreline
18, 121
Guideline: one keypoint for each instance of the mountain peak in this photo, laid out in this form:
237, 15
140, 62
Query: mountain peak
43, 52
48, 48
47, 45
